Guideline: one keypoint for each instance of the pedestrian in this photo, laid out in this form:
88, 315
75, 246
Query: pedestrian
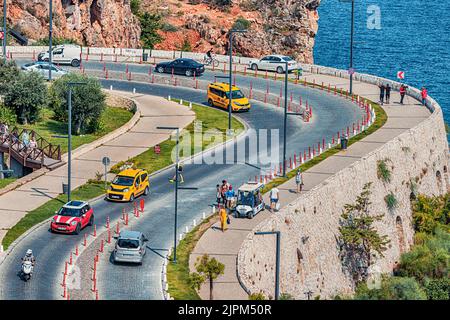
218, 195
382, 91
230, 196
388, 93
274, 198
3, 129
424, 94
402, 93
33, 143
299, 180
223, 219
223, 190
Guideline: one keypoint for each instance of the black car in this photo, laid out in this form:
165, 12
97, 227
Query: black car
185, 67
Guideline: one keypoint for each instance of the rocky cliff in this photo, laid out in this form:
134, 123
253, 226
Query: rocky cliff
90, 22
274, 26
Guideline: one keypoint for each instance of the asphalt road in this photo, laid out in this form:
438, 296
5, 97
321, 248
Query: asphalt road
143, 282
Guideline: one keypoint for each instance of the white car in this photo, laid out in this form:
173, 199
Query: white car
43, 68
274, 63
64, 54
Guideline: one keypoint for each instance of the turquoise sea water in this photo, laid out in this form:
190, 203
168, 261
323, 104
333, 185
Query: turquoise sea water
414, 37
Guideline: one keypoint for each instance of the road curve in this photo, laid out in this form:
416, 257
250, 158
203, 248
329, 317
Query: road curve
143, 282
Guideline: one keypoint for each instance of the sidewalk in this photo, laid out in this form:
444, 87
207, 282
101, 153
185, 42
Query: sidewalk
155, 111
225, 246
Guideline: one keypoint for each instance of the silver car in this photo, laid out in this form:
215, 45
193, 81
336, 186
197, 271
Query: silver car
43, 68
274, 63
130, 247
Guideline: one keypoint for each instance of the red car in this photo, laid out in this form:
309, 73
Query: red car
72, 217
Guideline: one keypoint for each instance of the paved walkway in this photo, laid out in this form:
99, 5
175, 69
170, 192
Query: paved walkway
155, 111
225, 246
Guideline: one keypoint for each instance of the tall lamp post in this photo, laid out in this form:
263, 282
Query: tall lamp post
230, 103
177, 187
4, 28
277, 262
286, 113
50, 40
352, 32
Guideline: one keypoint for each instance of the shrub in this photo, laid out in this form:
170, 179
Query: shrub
383, 171
392, 288
135, 6
257, 296
430, 213
438, 289
391, 201
168, 27
26, 95
150, 24
241, 24
88, 102
56, 41
7, 115
286, 296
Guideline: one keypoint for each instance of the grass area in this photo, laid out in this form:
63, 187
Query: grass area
178, 274
6, 181
210, 118
112, 118
86, 191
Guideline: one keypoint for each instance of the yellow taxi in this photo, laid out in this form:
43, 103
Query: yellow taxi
128, 185
219, 93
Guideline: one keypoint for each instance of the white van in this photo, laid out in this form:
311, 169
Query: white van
63, 54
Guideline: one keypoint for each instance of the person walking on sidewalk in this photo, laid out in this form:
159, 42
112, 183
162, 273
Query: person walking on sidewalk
274, 198
382, 91
402, 93
299, 180
223, 190
424, 94
218, 194
388, 93
230, 197
223, 219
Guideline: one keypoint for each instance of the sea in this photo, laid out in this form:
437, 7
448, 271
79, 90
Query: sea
412, 36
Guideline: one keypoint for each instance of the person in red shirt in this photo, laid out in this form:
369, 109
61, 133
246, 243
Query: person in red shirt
424, 95
402, 93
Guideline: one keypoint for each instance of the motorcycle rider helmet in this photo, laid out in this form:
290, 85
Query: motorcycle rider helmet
29, 252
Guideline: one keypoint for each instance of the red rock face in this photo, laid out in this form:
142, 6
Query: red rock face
91, 22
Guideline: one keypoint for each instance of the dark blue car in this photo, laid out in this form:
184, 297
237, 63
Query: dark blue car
187, 67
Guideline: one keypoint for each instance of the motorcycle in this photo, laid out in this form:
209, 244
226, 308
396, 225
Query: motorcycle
27, 270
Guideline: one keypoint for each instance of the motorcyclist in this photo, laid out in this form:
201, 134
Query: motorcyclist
29, 257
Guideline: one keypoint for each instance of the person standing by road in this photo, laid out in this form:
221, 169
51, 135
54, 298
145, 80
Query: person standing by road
424, 94
299, 180
223, 218
402, 93
218, 194
274, 198
223, 190
388, 93
230, 197
382, 91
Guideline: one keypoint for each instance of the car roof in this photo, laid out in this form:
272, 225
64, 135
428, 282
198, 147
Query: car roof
75, 204
127, 234
250, 186
224, 86
130, 172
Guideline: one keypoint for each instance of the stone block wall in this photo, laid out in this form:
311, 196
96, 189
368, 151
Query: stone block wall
310, 226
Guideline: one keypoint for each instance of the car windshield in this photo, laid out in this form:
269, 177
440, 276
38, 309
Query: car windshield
128, 243
69, 212
237, 94
245, 198
123, 181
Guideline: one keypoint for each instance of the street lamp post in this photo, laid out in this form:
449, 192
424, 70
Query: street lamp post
352, 32
286, 113
277, 262
4, 28
230, 102
50, 40
177, 187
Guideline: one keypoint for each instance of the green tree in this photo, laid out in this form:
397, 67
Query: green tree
430, 213
359, 239
208, 269
9, 73
150, 24
135, 6
27, 95
241, 24
88, 102
392, 288
7, 115
196, 280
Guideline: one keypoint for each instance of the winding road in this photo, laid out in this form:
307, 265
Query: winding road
144, 282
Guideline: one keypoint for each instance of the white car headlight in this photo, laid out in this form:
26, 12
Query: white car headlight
54, 220
125, 190
74, 223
